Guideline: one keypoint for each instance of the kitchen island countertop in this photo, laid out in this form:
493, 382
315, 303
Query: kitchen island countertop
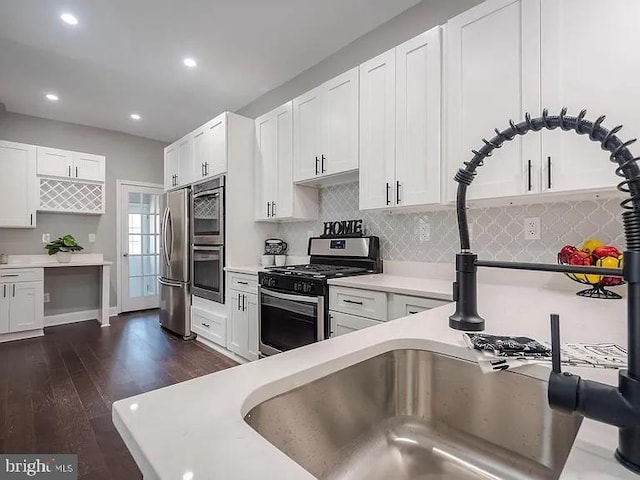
213, 441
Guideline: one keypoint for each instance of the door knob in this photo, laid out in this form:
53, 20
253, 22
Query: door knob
125, 254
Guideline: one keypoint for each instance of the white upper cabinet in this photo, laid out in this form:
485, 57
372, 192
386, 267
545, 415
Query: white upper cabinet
589, 61
325, 122
89, 167
171, 166
492, 75
400, 96
340, 153
308, 131
377, 131
418, 98
54, 162
18, 185
210, 148
277, 198
186, 172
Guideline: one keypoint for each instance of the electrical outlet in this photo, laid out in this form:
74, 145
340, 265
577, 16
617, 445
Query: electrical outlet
46, 237
532, 228
425, 231
92, 238
46, 298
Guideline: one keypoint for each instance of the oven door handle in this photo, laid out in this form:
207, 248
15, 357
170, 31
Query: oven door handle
292, 298
210, 193
197, 248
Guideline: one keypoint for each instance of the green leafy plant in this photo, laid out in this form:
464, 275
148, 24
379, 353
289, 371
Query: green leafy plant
63, 244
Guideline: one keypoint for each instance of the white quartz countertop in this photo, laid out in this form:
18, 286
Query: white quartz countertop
382, 282
248, 269
197, 426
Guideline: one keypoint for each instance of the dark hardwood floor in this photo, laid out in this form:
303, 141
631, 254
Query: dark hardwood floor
56, 391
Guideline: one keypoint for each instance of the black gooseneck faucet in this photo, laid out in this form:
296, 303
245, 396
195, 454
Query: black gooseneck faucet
615, 406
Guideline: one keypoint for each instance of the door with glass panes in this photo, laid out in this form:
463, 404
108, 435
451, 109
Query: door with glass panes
140, 247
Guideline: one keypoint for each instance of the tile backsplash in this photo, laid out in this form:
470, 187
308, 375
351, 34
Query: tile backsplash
497, 232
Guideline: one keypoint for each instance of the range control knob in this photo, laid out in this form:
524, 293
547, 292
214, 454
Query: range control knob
298, 287
307, 287
272, 282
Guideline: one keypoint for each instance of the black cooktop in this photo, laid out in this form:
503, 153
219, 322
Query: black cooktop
316, 270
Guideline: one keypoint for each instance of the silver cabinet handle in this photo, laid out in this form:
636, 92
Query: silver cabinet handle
273, 209
14, 290
239, 304
76, 172
69, 170
244, 299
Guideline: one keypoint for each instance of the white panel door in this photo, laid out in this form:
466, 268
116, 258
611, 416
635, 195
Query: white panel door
185, 161
139, 219
377, 131
201, 152
283, 168
55, 162
343, 323
5, 302
239, 335
308, 134
26, 309
418, 94
18, 185
340, 153
217, 132
171, 166
601, 79
253, 352
493, 75
87, 166
265, 165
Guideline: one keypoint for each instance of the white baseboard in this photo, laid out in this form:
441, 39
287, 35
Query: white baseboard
9, 337
222, 350
74, 317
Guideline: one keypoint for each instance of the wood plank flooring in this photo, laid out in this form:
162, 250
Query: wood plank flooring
56, 391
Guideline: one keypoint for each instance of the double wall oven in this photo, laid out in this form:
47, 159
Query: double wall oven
207, 240
294, 300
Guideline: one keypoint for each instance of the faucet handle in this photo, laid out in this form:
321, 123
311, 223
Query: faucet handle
555, 343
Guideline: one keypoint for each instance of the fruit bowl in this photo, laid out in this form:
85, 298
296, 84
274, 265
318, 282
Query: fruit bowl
597, 282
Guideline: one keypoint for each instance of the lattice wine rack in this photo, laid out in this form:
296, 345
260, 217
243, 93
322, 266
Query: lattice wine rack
71, 197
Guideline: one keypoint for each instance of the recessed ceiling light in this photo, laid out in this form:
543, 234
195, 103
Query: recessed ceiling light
52, 96
190, 62
69, 19
135, 116
187, 476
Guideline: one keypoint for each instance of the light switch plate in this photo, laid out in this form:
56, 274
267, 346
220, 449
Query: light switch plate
46, 237
92, 238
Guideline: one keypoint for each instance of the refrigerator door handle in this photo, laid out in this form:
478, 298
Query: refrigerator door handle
170, 228
168, 283
164, 236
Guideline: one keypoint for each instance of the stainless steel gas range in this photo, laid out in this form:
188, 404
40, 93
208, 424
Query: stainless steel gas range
293, 300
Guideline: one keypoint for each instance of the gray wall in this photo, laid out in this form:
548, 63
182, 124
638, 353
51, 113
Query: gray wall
128, 158
408, 24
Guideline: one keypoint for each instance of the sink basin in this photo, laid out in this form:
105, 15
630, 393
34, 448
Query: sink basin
413, 414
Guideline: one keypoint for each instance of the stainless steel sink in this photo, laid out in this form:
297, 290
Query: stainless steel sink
412, 414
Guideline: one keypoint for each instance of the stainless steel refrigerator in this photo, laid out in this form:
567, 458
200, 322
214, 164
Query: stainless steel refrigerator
175, 290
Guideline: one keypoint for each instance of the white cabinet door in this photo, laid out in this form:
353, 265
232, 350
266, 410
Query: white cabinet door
283, 162
377, 131
201, 152
87, 166
26, 309
418, 72
185, 160
340, 152
239, 334
308, 134
217, 132
54, 162
171, 166
343, 323
405, 305
253, 352
601, 79
18, 185
493, 75
5, 302
265, 165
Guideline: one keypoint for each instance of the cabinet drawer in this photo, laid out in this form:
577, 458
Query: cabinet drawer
363, 303
404, 305
343, 323
211, 326
243, 282
10, 275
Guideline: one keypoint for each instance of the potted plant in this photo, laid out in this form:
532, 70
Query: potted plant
63, 247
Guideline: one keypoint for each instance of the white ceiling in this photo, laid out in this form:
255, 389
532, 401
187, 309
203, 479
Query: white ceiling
125, 56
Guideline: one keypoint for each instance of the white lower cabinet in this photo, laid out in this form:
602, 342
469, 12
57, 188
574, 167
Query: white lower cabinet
342, 323
210, 325
243, 337
21, 301
404, 305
